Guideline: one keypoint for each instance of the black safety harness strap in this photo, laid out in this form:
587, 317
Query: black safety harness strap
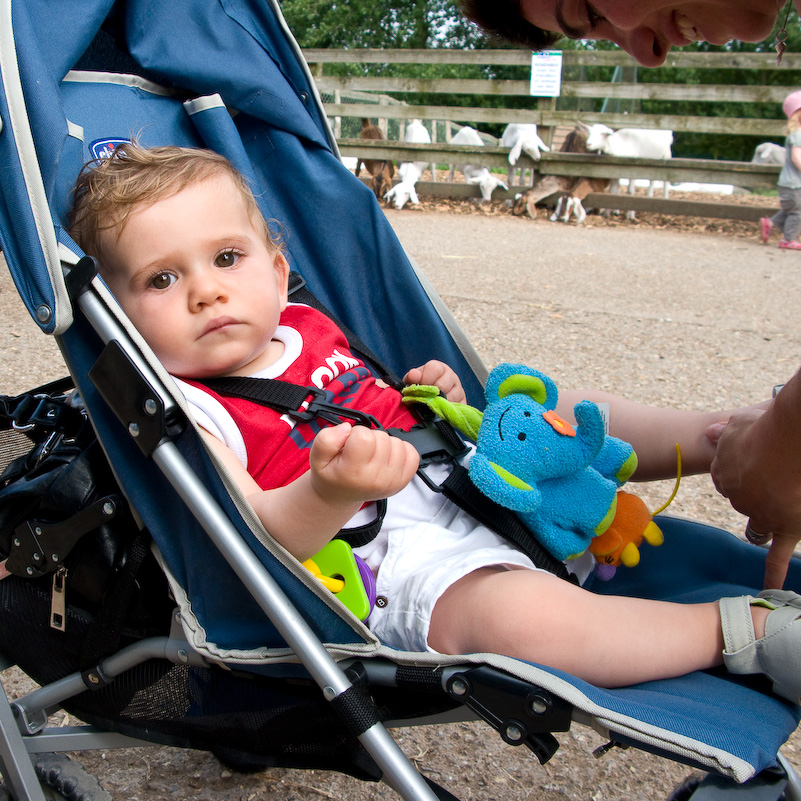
303, 405
459, 488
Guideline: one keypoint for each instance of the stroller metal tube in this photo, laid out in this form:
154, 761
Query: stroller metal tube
398, 771
792, 792
18, 770
400, 774
34, 707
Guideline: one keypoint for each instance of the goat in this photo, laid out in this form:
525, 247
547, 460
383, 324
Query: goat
409, 171
381, 171
522, 138
573, 200
576, 189
474, 174
770, 153
631, 143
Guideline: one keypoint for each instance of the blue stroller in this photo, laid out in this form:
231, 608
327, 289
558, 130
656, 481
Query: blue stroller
204, 633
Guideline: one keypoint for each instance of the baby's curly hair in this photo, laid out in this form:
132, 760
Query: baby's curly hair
109, 189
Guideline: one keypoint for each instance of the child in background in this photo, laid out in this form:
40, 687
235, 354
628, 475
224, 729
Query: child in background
788, 218
183, 247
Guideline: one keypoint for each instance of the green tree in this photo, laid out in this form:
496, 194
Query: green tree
379, 23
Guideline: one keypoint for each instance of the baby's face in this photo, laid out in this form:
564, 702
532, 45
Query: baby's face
199, 282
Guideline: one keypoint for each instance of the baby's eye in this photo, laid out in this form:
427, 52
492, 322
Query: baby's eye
162, 280
228, 258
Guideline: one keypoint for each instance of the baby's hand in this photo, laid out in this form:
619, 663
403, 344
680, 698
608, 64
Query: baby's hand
355, 464
438, 374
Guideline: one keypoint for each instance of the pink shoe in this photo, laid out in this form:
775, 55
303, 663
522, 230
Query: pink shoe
766, 228
794, 245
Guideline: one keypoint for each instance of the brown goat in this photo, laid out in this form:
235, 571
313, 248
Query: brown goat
381, 171
575, 189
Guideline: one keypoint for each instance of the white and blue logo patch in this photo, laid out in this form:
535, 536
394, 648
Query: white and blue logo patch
103, 148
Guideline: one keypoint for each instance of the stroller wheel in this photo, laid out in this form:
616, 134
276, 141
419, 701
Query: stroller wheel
63, 780
239, 761
684, 791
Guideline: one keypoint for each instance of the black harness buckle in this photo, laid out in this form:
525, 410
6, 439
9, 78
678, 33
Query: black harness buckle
436, 441
332, 413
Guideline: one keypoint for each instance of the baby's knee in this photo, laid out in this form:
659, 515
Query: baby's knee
490, 610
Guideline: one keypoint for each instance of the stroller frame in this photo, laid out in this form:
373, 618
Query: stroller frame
23, 722
522, 710
297, 633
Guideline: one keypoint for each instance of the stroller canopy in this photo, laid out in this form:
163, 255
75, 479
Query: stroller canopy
242, 52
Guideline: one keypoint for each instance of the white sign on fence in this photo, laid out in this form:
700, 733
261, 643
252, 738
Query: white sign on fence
546, 73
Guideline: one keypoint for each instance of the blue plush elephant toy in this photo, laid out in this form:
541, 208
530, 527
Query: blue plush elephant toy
561, 479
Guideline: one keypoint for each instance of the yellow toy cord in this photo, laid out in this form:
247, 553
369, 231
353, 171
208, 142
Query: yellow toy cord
676, 487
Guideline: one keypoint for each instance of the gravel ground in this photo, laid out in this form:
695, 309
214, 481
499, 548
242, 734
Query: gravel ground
685, 313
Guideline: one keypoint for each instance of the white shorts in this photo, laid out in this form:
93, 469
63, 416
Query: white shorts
423, 558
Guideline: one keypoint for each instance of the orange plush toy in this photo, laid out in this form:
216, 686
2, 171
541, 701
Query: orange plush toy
620, 543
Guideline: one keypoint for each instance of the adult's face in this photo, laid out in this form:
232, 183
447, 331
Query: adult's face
647, 29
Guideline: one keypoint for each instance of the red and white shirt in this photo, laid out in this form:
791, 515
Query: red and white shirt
272, 447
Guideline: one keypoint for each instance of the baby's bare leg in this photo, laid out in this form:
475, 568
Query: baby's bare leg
606, 640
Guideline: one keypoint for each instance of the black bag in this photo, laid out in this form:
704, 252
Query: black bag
63, 519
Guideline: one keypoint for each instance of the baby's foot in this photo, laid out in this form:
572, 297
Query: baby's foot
777, 654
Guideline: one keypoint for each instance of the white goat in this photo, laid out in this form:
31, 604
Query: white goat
520, 138
473, 173
769, 153
409, 171
632, 143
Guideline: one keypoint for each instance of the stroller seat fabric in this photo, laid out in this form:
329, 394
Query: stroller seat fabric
78, 79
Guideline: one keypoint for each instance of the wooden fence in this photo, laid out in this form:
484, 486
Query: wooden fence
365, 94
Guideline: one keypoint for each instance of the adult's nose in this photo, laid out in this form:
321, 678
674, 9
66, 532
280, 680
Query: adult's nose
643, 44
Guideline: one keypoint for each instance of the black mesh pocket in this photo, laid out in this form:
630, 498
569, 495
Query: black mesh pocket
248, 720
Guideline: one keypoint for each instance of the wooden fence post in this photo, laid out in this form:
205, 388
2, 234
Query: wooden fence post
433, 141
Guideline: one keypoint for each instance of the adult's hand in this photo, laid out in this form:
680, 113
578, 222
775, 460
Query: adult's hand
757, 466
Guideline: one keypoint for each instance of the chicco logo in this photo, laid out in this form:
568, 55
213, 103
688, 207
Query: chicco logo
103, 148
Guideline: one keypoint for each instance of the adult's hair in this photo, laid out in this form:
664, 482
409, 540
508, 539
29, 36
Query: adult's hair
111, 188
503, 19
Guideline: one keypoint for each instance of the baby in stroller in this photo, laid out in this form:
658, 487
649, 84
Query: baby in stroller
184, 248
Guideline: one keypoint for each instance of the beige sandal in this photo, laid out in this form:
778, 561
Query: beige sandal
777, 655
